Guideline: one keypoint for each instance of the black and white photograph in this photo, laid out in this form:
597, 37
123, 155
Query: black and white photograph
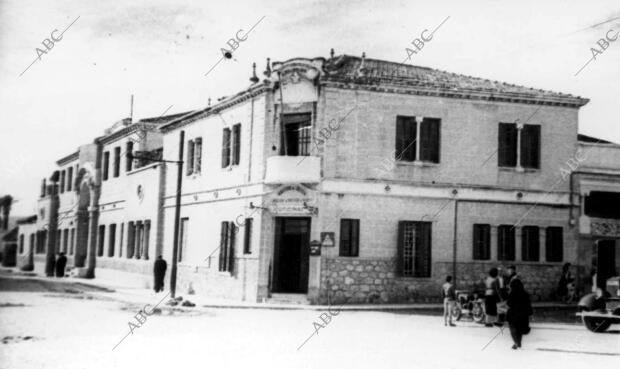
309, 184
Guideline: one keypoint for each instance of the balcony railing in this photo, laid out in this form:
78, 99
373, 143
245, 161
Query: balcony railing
293, 169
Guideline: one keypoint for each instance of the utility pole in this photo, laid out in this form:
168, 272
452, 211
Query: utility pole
177, 215
177, 209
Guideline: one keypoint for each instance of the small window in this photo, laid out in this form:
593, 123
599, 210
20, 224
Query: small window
225, 147
482, 242
507, 145
414, 249
530, 243
106, 163
190, 157
554, 244
247, 236
197, 155
236, 144
505, 243
117, 161
349, 237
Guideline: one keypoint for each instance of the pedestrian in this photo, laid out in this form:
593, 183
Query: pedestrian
159, 272
449, 299
566, 288
491, 297
61, 263
519, 311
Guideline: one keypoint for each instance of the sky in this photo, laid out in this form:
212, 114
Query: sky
160, 51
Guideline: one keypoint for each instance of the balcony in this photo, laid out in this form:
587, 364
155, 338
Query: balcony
293, 169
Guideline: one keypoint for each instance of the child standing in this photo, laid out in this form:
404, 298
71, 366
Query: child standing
449, 299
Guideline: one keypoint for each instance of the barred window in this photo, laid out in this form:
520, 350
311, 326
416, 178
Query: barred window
414, 249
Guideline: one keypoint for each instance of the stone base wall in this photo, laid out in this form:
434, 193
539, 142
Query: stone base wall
374, 281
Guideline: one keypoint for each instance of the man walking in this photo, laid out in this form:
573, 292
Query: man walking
159, 272
61, 263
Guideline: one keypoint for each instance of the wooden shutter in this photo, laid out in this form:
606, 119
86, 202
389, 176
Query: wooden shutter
190, 157
232, 230
198, 155
400, 249
507, 145
530, 146
429, 140
128, 156
236, 144
106, 163
422, 259
223, 243
225, 147
554, 247
405, 138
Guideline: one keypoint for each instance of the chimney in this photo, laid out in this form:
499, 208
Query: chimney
254, 78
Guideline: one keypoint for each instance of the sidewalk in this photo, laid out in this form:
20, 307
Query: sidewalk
142, 296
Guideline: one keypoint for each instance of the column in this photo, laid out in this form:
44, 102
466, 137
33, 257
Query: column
137, 243
147, 232
91, 251
518, 243
418, 126
493, 243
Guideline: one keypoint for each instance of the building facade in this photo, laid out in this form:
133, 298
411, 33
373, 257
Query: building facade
354, 180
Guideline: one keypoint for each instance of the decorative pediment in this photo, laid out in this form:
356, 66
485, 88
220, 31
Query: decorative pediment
295, 70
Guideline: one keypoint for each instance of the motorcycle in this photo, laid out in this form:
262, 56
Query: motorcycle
469, 304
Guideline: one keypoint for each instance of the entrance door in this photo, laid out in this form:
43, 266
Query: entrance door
606, 261
291, 255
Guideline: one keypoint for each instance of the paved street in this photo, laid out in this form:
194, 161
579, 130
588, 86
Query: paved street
70, 325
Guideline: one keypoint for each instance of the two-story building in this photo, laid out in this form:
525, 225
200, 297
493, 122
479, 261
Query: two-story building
351, 179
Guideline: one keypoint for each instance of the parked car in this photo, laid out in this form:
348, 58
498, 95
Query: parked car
598, 313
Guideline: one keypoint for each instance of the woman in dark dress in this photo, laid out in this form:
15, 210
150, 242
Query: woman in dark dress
519, 311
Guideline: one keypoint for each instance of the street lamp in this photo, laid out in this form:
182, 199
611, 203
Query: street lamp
177, 210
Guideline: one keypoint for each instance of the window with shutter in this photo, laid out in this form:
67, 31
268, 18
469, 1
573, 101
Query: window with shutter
230, 264
422, 265
429, 140
482, 242
530, 146
225, 147
554, 244
236, 144
405, 138
69, 178
198, 155
190, 157
530, 243
505, 242
62, 181
507, 145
